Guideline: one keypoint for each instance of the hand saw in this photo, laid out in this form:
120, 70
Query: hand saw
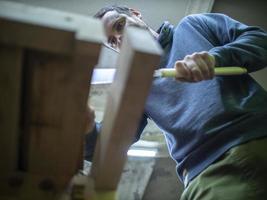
106, 75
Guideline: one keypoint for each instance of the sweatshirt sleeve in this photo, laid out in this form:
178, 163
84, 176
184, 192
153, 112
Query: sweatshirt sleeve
236, 44
90, 142
142, 125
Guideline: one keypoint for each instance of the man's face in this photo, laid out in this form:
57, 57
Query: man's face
114, 24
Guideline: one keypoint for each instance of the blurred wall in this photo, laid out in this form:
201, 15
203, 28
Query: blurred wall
154, 12
248, 12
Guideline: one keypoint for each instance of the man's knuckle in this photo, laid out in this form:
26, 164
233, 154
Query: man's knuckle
177, 65
177, 62
187, 57
205, 55
196, 56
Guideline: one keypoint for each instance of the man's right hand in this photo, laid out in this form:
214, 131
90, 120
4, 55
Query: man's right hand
195, 67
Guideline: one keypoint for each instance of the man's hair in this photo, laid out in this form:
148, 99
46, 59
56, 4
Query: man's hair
119, 9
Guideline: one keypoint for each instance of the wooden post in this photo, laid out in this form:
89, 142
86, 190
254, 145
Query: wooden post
139, 56
56, 52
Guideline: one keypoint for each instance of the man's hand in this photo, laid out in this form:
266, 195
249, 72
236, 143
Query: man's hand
90, 120
196, 67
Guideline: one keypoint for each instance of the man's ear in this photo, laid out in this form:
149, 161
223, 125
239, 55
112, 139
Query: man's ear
136, 13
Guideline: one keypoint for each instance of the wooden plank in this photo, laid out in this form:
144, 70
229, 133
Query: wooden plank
55, 112
45, 29
86, 57
56, 78
25, 186
58, 61
10, 84
138, 58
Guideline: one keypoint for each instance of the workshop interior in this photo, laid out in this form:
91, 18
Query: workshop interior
54, 63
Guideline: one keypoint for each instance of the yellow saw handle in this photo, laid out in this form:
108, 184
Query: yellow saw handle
171, 72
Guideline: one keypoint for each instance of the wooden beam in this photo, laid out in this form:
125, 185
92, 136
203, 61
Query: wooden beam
10, 85
139, 56
55, 105
60, 51
45, 29
47, 58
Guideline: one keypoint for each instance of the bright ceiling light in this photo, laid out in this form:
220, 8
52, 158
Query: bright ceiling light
142, 152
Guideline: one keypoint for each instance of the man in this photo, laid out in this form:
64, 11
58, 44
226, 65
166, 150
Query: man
215, 127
